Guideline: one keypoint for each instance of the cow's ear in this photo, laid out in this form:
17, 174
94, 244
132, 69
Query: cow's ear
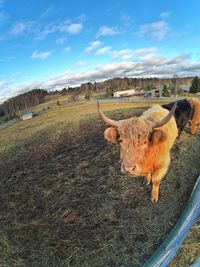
111, 134
157, 136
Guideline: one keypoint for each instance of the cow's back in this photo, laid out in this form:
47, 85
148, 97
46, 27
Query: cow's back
182, 114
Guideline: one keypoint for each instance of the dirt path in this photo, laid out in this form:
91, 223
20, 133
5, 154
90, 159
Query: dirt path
8, 123
67, 202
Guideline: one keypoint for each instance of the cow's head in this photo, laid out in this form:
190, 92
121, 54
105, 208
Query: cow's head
135, 137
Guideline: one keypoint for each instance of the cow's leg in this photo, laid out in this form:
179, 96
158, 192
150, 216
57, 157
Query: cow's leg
148, 178
156, 179
180, 132
181, 129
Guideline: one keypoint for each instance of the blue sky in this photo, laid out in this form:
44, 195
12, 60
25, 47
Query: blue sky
55, 44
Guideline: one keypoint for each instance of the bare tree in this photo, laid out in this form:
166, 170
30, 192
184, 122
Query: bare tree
175, 83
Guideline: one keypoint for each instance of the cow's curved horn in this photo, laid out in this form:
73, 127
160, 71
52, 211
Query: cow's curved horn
166, 118
107, 120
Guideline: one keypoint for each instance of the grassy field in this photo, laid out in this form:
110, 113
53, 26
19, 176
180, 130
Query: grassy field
65, 203
54, 120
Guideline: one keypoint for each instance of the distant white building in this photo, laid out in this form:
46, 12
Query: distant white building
27, 116
154, 93
125, 93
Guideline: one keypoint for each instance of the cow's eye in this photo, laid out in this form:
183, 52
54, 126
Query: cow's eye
150, 137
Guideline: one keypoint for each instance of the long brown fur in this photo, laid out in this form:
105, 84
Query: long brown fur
139, 128
195, 120
155, 158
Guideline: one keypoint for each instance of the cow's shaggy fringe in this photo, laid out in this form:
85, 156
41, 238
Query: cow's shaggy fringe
137, 129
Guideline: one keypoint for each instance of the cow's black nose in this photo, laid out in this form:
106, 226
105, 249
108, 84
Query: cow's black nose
129, 168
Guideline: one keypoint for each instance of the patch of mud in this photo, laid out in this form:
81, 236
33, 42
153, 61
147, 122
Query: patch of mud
65, 203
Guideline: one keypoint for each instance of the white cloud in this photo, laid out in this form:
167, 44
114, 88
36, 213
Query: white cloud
105, 30
80, 64
92, 46
123, 54
145, 50
20, 28
153, 59
143, 67
46, 13
9, 90
2, 84
64, 27
103, 50
5, 90
72, 28
164, 15
127, 54
156, 30
41, 55
41, 30
146, 65
67, 49
75, 28
60, 40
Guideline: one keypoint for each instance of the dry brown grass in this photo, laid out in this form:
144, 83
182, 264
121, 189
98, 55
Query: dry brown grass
65, 203
51, 120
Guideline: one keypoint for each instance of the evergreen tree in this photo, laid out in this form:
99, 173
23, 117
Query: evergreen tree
147, 88
64, 91
109, 91
165, 91
195, 87
58, 103
87, 95
180, 91
172, 89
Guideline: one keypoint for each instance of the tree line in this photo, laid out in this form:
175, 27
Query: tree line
194, 88
110, 86
22, 102
106, 88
